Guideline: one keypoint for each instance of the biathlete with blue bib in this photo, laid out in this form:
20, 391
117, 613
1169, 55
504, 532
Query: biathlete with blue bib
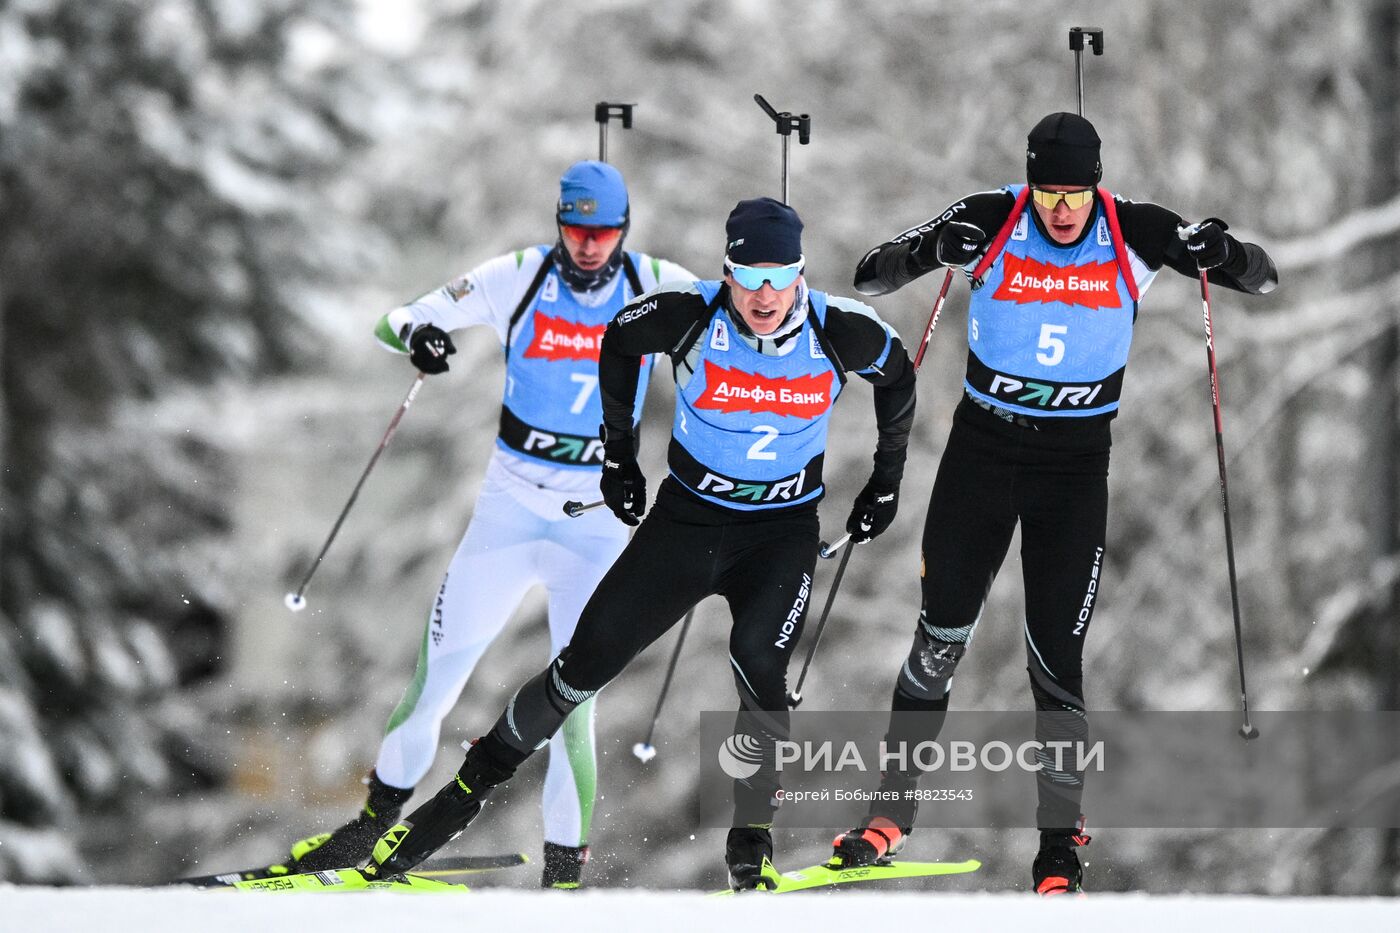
548, 306
759, 359
1057, 268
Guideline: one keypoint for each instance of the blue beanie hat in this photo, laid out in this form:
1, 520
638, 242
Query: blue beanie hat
592, 194
763, 230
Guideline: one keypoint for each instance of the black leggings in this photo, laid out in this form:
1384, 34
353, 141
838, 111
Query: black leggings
684, 550
1054, 481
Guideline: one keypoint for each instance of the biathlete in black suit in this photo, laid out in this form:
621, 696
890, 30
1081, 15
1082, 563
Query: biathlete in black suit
759, 359
1057, 269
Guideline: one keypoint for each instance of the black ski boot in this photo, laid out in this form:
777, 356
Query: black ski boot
748, 853
884, 831
1056, 869
440, 820
563, 866
352, 843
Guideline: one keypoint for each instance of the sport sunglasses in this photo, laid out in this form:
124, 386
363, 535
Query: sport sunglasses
1074, 200
604, 236
753, 277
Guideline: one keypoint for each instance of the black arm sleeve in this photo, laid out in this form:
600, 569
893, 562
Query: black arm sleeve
860, 339
894, 417
892, 265
652, 323
1151, 231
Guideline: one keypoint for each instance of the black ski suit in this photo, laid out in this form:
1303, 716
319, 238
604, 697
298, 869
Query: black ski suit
708, 534
1006, 462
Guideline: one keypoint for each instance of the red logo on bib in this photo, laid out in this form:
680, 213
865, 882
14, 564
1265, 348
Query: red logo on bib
1092, 285
558, 339
731, 390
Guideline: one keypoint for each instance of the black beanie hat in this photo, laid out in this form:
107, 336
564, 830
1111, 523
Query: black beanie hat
763, 230
1063, 149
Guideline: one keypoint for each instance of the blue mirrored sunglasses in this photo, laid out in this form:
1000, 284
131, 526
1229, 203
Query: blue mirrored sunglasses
753, 277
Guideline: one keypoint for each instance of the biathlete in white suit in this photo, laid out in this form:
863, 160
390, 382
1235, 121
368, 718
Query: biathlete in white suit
549, 307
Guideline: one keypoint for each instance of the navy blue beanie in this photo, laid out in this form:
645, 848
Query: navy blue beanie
763, 230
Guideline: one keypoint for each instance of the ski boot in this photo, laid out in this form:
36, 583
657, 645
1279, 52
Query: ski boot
748, 853
875, 842
352, 843
440, 820
563, 866
1056, 869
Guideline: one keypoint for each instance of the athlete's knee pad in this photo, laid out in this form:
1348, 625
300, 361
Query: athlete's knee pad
927, 673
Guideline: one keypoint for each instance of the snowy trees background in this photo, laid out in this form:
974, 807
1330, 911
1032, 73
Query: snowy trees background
208, 203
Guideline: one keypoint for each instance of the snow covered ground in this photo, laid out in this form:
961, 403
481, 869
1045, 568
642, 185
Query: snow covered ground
82, 910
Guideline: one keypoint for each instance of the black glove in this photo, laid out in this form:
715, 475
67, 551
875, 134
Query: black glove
623, 484
958, 243
428, 349
1208, 244
873, 511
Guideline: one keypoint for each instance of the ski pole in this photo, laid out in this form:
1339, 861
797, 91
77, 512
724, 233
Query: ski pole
297, 601
786, 123
828, 551
1077, 35
1247, 731
573, 508
933, 319
795, 698
605, 112
644, 749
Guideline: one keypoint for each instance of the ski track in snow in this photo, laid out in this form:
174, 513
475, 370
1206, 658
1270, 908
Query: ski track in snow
60, 910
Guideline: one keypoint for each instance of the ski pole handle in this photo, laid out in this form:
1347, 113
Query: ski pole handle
573, 508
